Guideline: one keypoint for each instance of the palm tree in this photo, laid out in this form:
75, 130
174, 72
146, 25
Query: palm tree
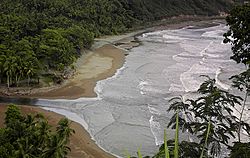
24, 148
56, 148
8, 70
64, 129
19, 70
2, 61
44, 130
57, 144
31, 67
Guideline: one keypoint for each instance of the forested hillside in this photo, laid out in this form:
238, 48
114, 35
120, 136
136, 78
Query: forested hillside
37, 36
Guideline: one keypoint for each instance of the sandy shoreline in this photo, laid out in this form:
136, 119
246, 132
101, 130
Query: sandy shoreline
92, 67
107, 56
96, 65
102, 61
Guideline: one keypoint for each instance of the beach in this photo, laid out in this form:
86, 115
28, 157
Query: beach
93, 66
106, 57
97, 64
102, 61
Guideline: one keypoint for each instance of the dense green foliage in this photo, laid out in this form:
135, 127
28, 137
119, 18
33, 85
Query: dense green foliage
238, 33
149, 9
240, 150
38, 36
31, 136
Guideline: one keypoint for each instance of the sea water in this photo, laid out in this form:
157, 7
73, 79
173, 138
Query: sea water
130, 110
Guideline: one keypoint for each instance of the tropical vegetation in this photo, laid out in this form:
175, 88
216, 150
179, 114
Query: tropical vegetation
41, 39
31, 136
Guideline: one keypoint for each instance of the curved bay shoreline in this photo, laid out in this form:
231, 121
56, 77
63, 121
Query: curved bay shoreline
88, 73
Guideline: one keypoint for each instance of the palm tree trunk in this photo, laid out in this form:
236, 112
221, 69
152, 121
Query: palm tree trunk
8, 82
16, 80
11, 81
0, 79
28, 80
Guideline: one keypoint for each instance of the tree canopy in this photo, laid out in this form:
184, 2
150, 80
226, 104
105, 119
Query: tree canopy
239, 33
32, 136
39, 36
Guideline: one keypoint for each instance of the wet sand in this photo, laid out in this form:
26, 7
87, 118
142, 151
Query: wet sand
96, 65
107, 55
90, 68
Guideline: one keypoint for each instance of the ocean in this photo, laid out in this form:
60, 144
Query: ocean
130, 110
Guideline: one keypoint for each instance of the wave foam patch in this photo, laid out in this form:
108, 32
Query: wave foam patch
156, 130
217, 34
99, 85
142, 85
189, 81
153, 110
176, 88
150, 34
173, 37
166, 36
221, 84
194, 49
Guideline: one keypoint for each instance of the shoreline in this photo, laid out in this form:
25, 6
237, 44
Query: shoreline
113, 48
76, 119
107, 49
96, 65
91, 67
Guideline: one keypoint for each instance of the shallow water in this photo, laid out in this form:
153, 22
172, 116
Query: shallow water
130, 111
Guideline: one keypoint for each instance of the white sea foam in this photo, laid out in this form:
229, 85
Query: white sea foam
221, 84
212, 55
155, 129
206, 48
99, 85
153, 110
176, 88
141, 86
189, 83
157, 33
218, 34
189, 78
166, 36
157, 70
172, 37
